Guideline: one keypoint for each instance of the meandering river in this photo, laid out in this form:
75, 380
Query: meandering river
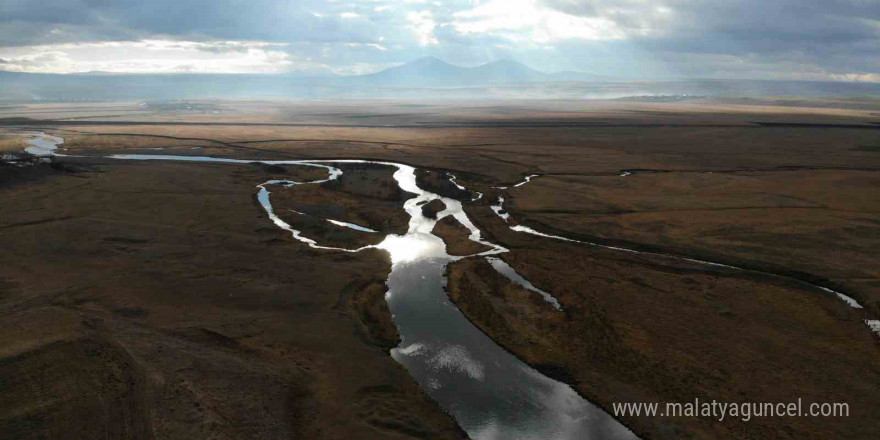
489, 392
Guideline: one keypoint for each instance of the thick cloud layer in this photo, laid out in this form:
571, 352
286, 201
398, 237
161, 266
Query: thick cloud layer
797, 39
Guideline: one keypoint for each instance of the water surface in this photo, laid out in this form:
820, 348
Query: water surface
489, 392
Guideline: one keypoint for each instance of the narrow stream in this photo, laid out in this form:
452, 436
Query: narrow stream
503, 268
42, 144
499, 210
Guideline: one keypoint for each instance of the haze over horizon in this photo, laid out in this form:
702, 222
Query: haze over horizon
783, 40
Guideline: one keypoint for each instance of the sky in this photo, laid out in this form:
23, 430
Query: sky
747, 39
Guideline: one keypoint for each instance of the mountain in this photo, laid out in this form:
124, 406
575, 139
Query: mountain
430, 71
411, 79
104, 86
424, 78
506, 71
423, 71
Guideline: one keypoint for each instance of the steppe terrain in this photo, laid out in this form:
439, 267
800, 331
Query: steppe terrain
157, 300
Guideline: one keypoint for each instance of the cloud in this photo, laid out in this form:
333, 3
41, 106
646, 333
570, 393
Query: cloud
155, 56
857, 77
529, 21
805, 36
422, 22
831, 39
255, 20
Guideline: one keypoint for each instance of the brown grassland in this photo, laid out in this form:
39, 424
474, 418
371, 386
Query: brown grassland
157, 300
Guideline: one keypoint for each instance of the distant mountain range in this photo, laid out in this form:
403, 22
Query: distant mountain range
430, 71
423, 73
424, 78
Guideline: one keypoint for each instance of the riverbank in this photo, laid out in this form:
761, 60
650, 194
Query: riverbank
641, 319
177, 309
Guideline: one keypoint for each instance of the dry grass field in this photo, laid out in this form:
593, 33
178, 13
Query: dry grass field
157, 300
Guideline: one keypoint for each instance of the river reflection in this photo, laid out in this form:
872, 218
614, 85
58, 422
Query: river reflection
489, 392
42, 144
